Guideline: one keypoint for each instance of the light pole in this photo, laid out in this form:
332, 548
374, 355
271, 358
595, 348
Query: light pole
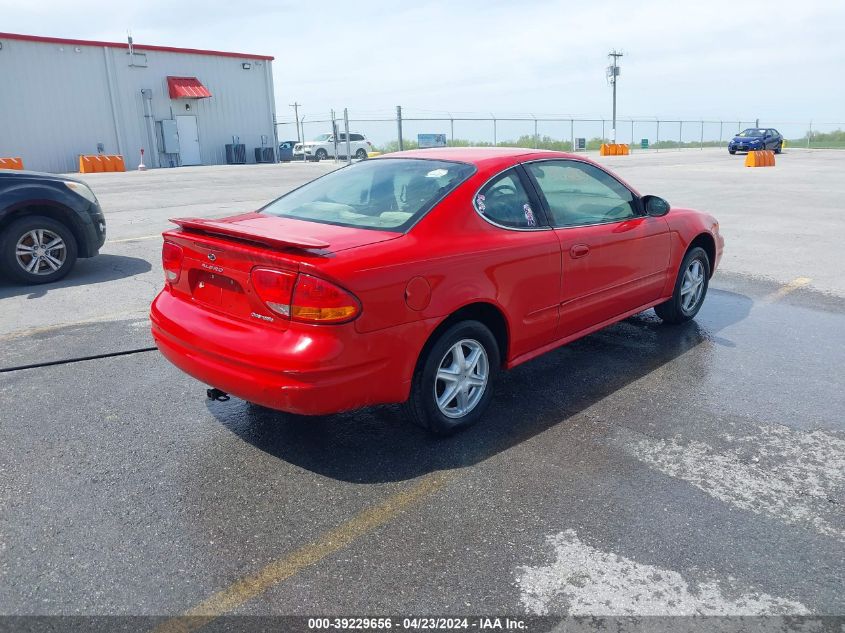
613, 72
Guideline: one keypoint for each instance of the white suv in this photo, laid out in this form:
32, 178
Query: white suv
323, 146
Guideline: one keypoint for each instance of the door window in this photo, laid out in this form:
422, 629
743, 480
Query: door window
504, 201
578, 193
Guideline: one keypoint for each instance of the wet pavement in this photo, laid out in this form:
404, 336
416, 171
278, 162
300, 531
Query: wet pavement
704, 462
645, 469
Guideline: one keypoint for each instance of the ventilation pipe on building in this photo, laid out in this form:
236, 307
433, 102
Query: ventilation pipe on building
147, 97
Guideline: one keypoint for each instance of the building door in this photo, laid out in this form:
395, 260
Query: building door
189, 140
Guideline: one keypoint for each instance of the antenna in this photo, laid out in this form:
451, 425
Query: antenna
129, 39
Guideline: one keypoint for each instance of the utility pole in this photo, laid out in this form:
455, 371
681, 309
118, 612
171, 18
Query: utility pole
334, 134
399, 126
295, 107
612, 74
346, 132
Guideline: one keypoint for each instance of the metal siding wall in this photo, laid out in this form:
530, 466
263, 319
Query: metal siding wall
237, 107
54, 104
59, 103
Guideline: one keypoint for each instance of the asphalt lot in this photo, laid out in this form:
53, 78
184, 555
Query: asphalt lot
644, 470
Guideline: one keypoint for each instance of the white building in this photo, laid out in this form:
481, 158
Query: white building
60, 98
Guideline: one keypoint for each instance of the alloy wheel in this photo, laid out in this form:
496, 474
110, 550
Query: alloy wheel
692, 286
40, 252
462, 378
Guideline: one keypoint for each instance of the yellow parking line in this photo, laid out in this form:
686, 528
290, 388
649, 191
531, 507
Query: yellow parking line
250, 586
134, 239
792, 286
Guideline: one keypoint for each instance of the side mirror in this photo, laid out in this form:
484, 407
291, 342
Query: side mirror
655, 206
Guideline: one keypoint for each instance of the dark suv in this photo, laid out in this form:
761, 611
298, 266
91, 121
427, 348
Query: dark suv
756, 138
46, 222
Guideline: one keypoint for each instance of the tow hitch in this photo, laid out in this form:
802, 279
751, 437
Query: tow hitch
216, 394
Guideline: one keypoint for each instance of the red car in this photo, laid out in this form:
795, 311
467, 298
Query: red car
414, 278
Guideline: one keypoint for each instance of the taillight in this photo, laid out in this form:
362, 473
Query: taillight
304, 298
274, 288
320, 301
171, 260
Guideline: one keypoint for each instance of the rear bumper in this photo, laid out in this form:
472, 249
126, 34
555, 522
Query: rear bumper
310, 370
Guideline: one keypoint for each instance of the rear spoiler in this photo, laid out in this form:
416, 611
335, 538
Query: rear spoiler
239, 231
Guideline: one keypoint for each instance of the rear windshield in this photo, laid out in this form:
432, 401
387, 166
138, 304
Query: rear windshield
387, 193
752, 132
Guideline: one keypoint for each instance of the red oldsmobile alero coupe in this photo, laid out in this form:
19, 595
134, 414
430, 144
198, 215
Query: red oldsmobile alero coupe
417, 276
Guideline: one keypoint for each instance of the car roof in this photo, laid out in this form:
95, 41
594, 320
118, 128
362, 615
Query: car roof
481, 156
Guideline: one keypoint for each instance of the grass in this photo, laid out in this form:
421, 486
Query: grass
820, 140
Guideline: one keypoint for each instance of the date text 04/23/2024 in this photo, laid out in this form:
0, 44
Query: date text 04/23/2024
417, 624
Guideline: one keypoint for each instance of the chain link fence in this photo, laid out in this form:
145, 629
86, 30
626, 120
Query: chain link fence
554, 132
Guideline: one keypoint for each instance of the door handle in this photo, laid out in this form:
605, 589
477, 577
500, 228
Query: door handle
579, 250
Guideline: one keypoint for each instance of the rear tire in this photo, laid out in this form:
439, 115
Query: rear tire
361, 154
690, 288
36, 249
453, 384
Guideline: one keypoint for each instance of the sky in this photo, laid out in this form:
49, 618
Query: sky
720, 59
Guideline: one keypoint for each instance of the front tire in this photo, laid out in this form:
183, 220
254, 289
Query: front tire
690, 288
37, 250
731, 152
321, 154
453, 384
779, 147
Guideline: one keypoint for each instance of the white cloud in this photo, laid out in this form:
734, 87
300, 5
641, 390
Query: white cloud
720, 58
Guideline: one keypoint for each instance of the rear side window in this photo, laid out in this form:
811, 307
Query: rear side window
387, 194
356, 137
504, 201
578, 193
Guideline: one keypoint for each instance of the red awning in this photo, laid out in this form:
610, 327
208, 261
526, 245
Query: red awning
186, 88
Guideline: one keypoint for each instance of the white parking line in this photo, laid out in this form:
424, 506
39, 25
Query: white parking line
790, 475
134, 239
584, 580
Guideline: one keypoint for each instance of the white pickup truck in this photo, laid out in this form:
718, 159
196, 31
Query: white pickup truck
323, 147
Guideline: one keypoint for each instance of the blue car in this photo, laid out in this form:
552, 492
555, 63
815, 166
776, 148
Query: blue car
756, 138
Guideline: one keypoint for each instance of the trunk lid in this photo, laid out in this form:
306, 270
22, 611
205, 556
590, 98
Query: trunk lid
218, 256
